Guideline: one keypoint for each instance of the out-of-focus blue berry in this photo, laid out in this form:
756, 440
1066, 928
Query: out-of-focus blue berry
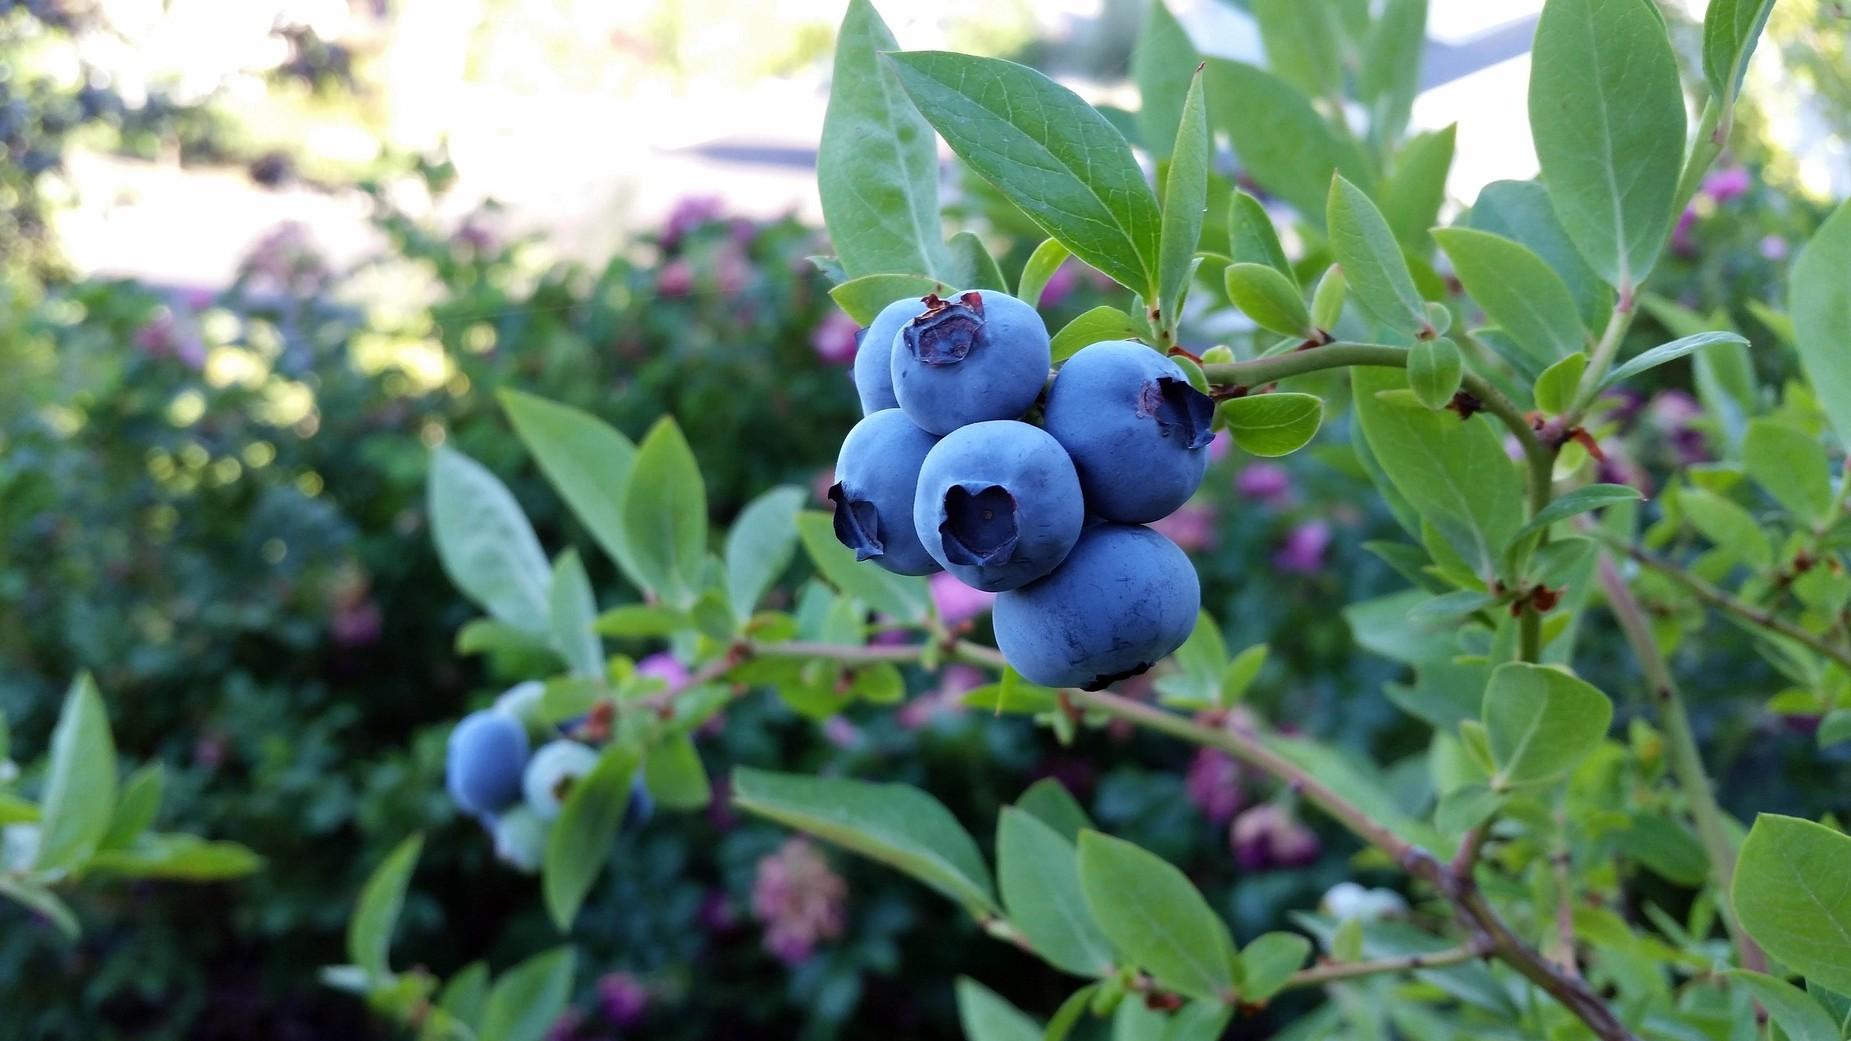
874, 355
876, 475
998, 504
641, 807
483, 766
981, 355
1121, 601
520, 838
1137, 431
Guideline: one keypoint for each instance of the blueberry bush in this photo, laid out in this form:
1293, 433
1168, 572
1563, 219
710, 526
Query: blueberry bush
1559, 860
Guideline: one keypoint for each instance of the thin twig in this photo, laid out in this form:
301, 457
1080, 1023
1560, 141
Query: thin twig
1332, 972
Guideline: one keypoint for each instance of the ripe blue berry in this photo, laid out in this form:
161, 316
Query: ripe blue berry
874, 355
998, 504
552, 772
1121, 601
1137, 431
876, 474
641, 807
482, 768
983, 355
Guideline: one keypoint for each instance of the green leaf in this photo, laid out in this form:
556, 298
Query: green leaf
1371, 259
186, 858
528, 998
136, 809
1040, 882
1154, 916
1240, 674
1050, 802
1793, 1010
1271, 299
1301, 45
1162, 61
585, 460
1198, 1021
1273, 424
759, 547
40, 900
1279, 139
1575, 503
485, 543
1519, 292
1098, 325
1791, 896
863, 298
1730, 527
1416, 188
1268, 962
1390, 76
1046, 151
80, 782
899, 596
1434, 371
15, 810
369, 931
892, 823
572, 614
1463, 809
1792, 467
465, 996
1041, 266
985, 1016
1070, 1013
1185, 203
1835, 727
1453, 472
877, 164
673, 773
1730, 30
1251, 236
1821, 312
1665, 352
1541, 722
972, 265
641, 620
1555, 388
1327, 298
665, 515
1607, 116
1198, 665
580, 841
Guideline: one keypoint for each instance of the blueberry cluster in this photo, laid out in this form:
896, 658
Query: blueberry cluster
943, 473
494, 773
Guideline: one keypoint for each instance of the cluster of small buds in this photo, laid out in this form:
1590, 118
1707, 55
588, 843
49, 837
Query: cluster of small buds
800, 901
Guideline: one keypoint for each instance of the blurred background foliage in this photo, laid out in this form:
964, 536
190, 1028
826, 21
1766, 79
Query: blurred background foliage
212, 497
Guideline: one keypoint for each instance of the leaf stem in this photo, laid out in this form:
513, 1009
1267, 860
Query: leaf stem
1332, 972
1727, 602
1685, 758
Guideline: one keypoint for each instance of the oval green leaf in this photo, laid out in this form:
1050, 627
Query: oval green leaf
1274, 424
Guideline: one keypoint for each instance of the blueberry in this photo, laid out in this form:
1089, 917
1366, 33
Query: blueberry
983, 355
552, 772
1137, 431
1121, 601
874, 355
482, 769
875, 477
998, 504
641, 807
520, 838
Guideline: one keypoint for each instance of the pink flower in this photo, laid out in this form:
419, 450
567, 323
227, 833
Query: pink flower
1269, 483
1219, 447
1731, 182
1303, 551
688, 213
957, 602
835, 339
355, 623
675, 279
167, 334
946, 698
1213, 785
841, 733
1773, 248
1192, 527
1060, 284
800, 901
665, 667
1267, 836
1681, 241
623, 998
